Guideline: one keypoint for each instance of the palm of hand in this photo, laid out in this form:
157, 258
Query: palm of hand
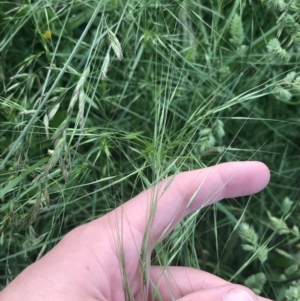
102, 260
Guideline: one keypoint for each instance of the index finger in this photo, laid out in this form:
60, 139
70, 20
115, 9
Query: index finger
158, 210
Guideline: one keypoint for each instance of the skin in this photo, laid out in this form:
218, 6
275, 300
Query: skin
85, 264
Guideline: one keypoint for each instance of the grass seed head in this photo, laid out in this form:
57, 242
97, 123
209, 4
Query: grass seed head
116, 45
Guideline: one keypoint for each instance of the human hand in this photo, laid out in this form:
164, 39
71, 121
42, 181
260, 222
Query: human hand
101, 260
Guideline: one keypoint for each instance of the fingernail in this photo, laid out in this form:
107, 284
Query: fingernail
237, 295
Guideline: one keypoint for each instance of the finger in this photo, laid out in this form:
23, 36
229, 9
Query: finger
228, 292
177, 196
173, 283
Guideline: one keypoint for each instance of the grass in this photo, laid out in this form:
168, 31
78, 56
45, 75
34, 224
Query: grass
102, 99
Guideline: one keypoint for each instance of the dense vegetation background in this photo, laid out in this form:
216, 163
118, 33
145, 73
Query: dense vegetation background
101, 99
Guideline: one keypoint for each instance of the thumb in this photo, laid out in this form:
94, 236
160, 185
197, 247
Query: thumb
228, 292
